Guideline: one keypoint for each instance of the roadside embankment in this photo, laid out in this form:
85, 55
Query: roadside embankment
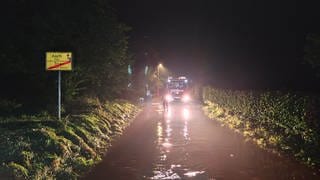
287, 123
41, 147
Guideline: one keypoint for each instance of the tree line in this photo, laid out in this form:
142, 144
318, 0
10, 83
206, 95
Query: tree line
88, 29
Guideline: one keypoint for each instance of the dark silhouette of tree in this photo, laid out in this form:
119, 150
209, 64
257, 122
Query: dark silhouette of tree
89, 29
312, 51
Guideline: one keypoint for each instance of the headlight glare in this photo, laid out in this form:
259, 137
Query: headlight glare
186, 98
168, 98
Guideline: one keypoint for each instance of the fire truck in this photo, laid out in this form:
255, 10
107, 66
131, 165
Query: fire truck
177, 89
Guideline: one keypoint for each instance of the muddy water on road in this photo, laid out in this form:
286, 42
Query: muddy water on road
182, 143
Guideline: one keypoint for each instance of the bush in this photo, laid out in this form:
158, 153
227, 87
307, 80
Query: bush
8, 107
287, 121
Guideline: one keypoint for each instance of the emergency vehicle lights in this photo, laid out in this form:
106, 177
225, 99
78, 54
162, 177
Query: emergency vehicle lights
185, 98
169, 98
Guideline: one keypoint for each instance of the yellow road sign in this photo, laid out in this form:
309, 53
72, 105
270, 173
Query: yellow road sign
58, 61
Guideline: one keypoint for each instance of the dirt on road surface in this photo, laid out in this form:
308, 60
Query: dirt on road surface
182, 143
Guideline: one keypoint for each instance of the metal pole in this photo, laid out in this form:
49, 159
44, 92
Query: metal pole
158, 81
59, 95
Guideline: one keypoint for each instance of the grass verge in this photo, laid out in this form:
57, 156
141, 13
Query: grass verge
267, 136
40, 147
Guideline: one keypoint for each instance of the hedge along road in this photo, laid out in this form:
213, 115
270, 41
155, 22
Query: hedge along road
183, 143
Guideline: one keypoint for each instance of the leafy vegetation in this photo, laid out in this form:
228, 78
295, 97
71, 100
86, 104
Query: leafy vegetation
312, 51
287, 122
36, 145
88, 29
40, 147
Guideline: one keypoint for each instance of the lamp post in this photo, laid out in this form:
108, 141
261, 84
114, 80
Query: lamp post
158, 84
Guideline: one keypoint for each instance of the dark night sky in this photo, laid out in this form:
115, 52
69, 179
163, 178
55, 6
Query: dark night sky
230, 42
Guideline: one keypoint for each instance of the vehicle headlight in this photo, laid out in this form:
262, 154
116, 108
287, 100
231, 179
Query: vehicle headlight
186, 98
169, 98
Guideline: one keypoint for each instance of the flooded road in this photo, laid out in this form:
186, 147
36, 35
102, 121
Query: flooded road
182, 143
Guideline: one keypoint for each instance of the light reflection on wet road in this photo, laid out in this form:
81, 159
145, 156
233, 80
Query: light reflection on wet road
182, 143
172, 140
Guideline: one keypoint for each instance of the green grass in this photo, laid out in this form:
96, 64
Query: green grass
284, 122
40, 147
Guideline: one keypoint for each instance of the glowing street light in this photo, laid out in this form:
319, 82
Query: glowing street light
158, 71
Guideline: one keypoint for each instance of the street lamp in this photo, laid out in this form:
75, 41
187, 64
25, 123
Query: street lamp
158, 71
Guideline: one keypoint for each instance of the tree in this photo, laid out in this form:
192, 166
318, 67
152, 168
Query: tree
312, 51
89, 29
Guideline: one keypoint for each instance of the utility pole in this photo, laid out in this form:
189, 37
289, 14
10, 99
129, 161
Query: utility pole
158, 84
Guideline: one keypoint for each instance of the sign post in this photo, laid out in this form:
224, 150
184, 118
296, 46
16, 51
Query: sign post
59, 95
59, 61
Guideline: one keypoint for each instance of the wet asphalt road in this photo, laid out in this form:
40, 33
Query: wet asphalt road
183, 143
